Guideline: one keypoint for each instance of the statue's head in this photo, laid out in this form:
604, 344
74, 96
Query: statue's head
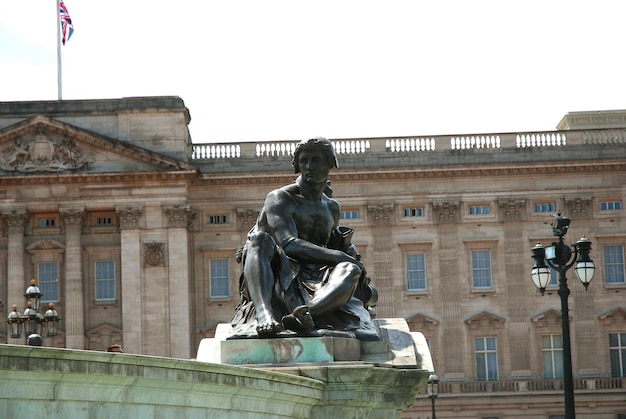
316, 144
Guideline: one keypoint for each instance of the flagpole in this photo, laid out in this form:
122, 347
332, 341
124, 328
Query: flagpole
59, 74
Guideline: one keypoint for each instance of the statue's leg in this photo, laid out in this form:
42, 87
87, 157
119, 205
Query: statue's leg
337, 290
260, 281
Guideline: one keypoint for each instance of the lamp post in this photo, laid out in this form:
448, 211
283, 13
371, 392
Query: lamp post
31, 321
560, 257
433, 391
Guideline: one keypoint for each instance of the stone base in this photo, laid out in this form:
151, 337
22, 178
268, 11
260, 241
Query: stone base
398, 347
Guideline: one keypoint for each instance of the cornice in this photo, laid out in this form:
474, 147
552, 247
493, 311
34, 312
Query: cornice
421, 173
97, 178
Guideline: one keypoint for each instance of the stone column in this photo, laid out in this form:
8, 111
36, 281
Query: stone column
512, 213
451, 286
179, 219
74, 307
381, 219
132, 291
16, 283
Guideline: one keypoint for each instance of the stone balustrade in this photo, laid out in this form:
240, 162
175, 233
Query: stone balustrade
429, 144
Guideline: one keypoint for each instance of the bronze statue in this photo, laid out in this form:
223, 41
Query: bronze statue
301, 274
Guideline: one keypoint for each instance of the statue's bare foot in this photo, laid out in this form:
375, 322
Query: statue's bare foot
267, 326
299, 320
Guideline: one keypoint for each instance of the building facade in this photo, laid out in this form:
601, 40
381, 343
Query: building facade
131, 230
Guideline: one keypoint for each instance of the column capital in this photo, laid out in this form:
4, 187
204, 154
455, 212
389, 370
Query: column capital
381, 213
179, 216
15, 218
129, 217
72, 216
446, 212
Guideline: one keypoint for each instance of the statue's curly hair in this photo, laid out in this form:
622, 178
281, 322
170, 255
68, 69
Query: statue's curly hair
317, 143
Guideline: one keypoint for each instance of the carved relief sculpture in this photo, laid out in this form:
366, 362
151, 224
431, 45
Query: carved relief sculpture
43, 154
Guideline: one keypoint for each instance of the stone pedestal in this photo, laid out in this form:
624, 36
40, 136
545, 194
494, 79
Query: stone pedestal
361, 379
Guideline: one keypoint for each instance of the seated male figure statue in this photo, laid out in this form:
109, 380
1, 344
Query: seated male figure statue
299, 276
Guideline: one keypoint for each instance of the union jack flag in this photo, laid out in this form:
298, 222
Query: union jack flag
67, 29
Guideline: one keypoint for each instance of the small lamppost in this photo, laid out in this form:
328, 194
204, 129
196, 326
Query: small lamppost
560, 257
433, 391
31, 321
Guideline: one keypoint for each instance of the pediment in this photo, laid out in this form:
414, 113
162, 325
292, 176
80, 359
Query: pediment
613, 315
41, 145
420, 322
484, 318
548, 318
103, 329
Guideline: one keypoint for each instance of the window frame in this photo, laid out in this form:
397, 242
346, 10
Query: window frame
553, 352
474, 270
621, 353
487, 362
210, 278
47, 285
605, 265
424, 271
107, 280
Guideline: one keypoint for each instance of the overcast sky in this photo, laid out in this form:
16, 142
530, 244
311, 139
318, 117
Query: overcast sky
286, 70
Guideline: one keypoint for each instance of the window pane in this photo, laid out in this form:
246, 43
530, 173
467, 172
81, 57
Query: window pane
486, 359
614, 264
105, 280
481, 269
415, 271
219, 278
617, 353
48, 282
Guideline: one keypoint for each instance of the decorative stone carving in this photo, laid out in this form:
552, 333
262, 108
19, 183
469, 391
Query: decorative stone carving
153, 254
247, 217
43, 154
72, 216
129, 217
179, 216
15, 218
446, 212
578, 206
45, 245
380, 213
511, 209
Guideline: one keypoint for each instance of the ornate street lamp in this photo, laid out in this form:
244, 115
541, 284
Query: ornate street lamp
433, 391
560, 257
31, 321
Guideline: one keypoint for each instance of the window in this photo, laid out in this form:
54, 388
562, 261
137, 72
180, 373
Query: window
47, 222
481, 269
554, 277
349, 215
610, 205
486, 359
552, 349
217, 219
105, 280
545, 207
415, 272
218, 269
414, 212
104, 221
614, 264
48, 281
617, 351
479, 210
